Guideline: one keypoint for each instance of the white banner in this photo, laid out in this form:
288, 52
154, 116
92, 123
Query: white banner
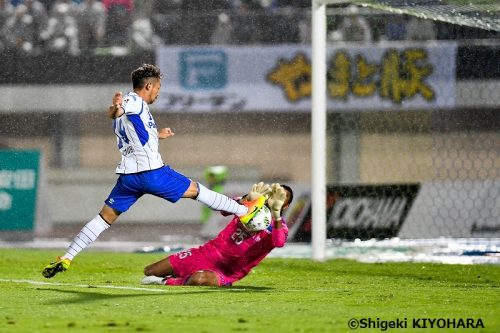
278, 78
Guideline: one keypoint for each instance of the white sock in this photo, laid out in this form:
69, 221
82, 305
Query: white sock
217, 201
87, 235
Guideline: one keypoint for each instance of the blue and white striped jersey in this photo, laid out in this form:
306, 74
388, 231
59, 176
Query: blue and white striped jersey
137, 137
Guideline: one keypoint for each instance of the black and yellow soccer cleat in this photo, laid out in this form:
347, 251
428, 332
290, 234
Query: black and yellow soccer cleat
60, 265
253, 207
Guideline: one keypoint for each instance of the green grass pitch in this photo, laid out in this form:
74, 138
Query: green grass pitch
281, 295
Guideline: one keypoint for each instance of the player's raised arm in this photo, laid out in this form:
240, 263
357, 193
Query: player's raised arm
165, 133
115, 110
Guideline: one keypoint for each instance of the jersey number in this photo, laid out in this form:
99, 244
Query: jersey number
239, 236
184, 254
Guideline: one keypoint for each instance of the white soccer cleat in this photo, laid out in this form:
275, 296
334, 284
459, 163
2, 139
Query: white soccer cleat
153, 280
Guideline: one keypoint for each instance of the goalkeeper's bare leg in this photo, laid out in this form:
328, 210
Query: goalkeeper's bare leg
162, 273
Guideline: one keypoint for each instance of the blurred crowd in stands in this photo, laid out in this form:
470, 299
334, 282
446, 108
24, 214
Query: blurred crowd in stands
123, 26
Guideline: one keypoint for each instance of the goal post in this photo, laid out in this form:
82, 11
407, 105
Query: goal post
318, 129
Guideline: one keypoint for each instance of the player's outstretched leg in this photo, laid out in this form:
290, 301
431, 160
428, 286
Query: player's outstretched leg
60, 265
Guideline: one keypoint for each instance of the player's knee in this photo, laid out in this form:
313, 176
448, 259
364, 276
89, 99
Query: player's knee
197, 279
192, 191
202, 278
148, 270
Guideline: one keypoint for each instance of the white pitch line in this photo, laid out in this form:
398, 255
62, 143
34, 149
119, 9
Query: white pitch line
90, 286
81, 285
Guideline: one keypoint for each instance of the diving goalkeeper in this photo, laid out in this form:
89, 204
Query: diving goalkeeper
231, 255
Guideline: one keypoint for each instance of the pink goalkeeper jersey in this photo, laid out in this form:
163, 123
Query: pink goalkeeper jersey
236, 251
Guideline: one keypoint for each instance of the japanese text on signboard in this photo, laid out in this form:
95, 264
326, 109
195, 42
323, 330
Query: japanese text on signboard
397, 76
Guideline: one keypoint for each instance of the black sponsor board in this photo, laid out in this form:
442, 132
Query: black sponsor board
359, 211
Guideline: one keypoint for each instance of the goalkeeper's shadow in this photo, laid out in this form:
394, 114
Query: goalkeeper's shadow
240, 289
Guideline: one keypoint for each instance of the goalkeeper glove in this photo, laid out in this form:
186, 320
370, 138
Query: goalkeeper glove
276, 200
257, 190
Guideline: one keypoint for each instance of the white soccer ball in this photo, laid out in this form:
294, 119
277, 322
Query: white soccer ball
261, 220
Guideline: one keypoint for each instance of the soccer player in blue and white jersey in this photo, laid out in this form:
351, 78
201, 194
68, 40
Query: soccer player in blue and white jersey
141, 169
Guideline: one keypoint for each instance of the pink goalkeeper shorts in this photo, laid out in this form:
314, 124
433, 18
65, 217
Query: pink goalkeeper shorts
190, 261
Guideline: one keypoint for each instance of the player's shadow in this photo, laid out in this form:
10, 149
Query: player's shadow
252, 289
84, 296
